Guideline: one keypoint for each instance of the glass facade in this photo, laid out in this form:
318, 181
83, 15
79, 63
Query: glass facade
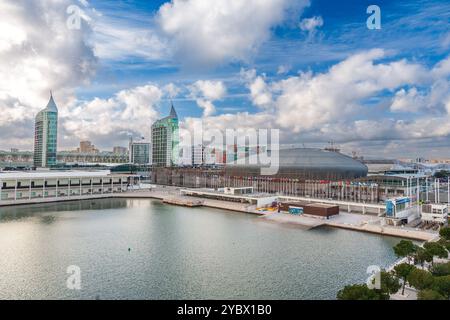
140, 153
165, 141
46, 136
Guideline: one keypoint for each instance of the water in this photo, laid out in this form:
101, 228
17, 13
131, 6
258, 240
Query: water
176, 253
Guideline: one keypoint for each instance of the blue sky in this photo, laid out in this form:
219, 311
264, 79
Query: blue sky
309, 68
411, 29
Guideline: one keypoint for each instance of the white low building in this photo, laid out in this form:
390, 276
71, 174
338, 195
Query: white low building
23, 186
435, 213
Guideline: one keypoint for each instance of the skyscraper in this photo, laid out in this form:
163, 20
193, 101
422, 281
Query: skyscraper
165, 140
45, 135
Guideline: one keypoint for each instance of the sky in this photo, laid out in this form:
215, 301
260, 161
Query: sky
312, 69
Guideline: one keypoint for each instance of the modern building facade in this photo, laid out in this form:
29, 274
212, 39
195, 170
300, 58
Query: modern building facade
303, 172
140, 152
24, 159
45, 136
36, 186
165, 141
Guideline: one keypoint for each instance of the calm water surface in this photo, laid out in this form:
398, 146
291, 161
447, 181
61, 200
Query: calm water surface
176, 253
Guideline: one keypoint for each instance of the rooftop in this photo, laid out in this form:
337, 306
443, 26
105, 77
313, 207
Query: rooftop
51, 105
51, 174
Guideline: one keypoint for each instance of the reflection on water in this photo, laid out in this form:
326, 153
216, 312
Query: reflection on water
143, 249
26, 211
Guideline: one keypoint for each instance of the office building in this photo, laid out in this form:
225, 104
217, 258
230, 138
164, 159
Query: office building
165, 141
45, 136
140, 152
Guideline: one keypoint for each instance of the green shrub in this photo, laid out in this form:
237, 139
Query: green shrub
429, 294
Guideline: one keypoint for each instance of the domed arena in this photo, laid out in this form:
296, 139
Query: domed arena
304, 163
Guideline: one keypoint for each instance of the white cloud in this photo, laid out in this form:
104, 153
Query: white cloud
211, 90
308, 101
38, 53
311, 24
283, 69
260, 93
205, 92
211, 32
407, 101
171, 90
108, 121
332, 104
115, 40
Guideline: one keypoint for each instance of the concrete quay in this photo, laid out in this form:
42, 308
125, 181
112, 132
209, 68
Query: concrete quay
7, 203
353, 221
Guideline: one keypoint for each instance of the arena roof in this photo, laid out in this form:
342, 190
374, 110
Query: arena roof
305, 163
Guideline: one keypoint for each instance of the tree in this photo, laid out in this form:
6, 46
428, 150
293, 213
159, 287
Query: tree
420, 279
445, 233
421, 256
402, 271
445, 243
359, 292
436, 250
429, 294
441, 269
405, 248
389, 283
441, 174
442, 285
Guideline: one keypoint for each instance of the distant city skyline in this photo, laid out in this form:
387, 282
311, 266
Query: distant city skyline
310, 68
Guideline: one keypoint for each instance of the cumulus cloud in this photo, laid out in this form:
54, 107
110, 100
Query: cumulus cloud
333, 105
407, 101
171, 90
108, 121
211, 32
38, 53
205, 92
260, 92
337, 94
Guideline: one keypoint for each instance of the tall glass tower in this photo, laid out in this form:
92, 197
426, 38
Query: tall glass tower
165, 140
45, 135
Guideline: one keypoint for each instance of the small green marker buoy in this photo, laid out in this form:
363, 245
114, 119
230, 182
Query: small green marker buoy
129, 249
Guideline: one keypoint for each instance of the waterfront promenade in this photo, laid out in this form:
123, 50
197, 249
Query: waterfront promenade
353, 221
370, 223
